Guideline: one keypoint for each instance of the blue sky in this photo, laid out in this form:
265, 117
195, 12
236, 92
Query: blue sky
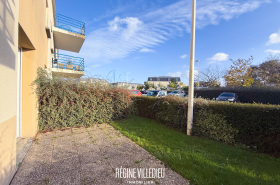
152, 37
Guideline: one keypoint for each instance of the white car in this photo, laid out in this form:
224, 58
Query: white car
177, 93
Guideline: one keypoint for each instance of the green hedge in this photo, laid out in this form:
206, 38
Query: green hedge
263, 95
258, 124
255, 126
69, 103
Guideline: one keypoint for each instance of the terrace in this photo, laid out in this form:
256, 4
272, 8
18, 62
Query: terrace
66, 65
69, 34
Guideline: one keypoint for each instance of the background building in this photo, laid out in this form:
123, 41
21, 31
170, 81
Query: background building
131, 86
94, 80
163, 81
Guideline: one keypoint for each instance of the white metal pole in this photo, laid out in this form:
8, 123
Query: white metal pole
198, 72
191, 75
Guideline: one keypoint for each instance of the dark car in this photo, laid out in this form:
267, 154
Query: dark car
146, 91
157, 93
226, 96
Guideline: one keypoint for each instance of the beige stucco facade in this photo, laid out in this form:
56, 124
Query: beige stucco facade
33, 20
24, 24
8, 88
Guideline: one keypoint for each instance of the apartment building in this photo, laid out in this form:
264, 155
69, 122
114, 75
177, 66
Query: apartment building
31, 35
94, 80
130, 86
164, 81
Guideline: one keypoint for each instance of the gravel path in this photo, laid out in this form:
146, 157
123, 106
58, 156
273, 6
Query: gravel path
95, 155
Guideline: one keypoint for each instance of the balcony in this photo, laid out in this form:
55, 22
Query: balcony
69, 34
67, 66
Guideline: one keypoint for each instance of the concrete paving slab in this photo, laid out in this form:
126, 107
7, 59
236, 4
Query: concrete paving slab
90, 155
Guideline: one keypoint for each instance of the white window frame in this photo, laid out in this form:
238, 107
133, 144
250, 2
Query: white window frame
19, 93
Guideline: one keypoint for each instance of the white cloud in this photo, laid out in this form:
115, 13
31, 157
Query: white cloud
183, 56
184, 65
128, 27
218, 57
274, 38
146, 50
123, 36
273, 51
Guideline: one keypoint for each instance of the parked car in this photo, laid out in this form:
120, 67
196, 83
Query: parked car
227, 96
157, 93
146, 91
177, 93
135, 93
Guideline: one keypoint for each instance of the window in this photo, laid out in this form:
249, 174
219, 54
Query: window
227, 94
135, 92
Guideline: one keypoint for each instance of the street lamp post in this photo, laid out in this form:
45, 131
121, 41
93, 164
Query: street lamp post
198, 71
191, 75
127, 73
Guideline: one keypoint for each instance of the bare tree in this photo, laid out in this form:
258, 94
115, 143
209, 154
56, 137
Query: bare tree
210, 76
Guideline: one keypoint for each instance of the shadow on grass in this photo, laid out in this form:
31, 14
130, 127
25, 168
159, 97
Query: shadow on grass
200, 160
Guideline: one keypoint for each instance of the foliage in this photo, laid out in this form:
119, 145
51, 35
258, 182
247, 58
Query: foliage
173, 84
152, 85
182, 84
185, 88
161, 86
264, 95
268, 72
140, 87
147, 85
257, 124
200, 160
213, 126
68, 103
210, 77
240, 73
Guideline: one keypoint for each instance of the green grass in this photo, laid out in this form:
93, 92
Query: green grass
200, 160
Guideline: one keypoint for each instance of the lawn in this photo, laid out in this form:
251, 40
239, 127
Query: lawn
200, 160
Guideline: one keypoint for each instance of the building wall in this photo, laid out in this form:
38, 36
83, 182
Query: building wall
35, 53
8, 88
130, 86
163, 83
